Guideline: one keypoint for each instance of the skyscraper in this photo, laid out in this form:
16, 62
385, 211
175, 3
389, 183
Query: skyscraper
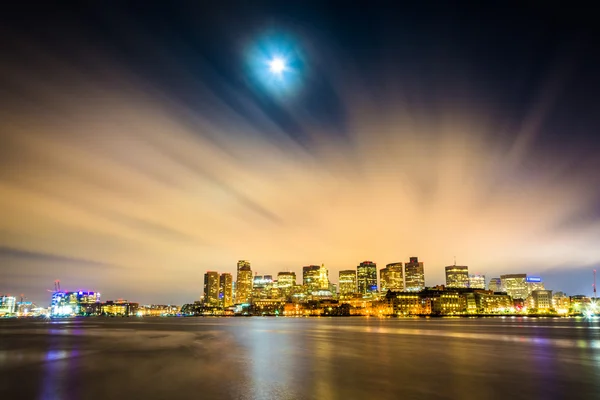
286, 282
311, 277
366, 277
323, 278
211, 288
243, 287
477, 281
226, 289
534, 283
347, 283
495, 285
414, 275
391, 278
457, 276
515, 285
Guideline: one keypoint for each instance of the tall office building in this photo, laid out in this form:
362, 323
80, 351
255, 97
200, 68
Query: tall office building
366, 277
347, 286
457, 276
211, 288
262, 286
495, 285
477, 281
243, 286
414, 275
391, 278
226, 289
286, 282
311, 277
515, 285
534, 283
323, 278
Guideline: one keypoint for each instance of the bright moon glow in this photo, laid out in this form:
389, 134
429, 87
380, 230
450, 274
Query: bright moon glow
277, 65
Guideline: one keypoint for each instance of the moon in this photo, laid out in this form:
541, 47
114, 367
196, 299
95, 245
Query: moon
277, 65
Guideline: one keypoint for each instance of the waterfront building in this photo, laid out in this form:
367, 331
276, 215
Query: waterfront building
495, 285
243, 287
66, 304
561, 302
267, 307
579, 303
226, 289
490, 303
366, 277
347, 283
414, 275
515, 285
211, 288
119, 308
23, 308
477, 281
391, 277
157, 310
542, 300
457, 276
406, 303
7, 305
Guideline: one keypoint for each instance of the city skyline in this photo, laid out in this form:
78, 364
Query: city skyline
135, 157
382, 282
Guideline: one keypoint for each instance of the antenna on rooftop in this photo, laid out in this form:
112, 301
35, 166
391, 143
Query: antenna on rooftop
594, 285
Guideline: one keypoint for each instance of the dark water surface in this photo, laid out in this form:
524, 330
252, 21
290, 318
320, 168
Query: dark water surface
300, 358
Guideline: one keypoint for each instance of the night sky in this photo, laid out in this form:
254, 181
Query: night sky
143, 144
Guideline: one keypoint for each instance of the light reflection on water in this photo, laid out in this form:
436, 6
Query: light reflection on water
277, 358
594, 343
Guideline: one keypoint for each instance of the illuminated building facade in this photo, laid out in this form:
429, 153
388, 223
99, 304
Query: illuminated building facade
542, 300
261, 286
7, 305
488, 303
243, 287
534, 283
157, 310
366, 277
119, 308
226, 289
211, 288
311, 277
561, 302
457, 276
286, 282
323, 278
407, 303
66, 304
515, 285
495, 285
414, 275
347, 283
392, 277
443, 302
477, 281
